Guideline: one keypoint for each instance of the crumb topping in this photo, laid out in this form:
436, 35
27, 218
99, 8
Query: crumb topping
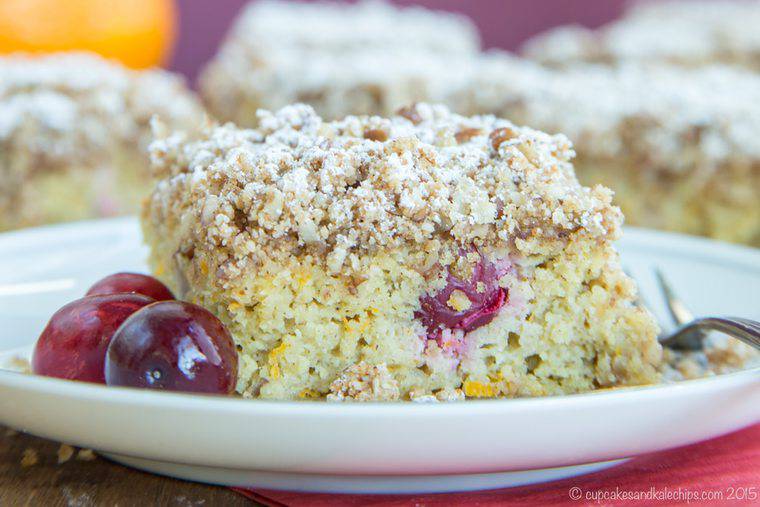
698, 32
298, 182
363, 382
444, 395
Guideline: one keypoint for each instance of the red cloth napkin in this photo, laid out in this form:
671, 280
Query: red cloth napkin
723, 471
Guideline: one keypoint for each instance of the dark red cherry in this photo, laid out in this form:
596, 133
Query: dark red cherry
173, 345
121, 283
436, 313
74, 343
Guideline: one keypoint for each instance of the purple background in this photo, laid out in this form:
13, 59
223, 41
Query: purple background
503, 23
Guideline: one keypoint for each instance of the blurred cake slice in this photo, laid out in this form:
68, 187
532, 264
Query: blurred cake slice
364, 58
426, 256
74, 130
688, 33
678, 146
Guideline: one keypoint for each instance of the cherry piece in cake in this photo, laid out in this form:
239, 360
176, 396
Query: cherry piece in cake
465, 304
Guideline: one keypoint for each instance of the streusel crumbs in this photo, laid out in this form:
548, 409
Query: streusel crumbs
298, 183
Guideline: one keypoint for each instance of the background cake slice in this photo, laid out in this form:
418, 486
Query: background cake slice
688, 33
678, 146
424, 256
365, 58
74, 130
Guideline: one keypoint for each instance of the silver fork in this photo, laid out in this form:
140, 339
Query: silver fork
691, 332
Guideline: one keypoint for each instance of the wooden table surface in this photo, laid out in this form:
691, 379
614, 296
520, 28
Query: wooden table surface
30, 474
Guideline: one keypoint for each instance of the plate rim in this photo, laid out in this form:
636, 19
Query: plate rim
132, 395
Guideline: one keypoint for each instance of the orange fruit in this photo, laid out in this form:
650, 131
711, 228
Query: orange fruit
139, 33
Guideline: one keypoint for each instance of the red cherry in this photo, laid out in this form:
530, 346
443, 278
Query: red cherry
436, 314
173, 345
73, 345
123, 283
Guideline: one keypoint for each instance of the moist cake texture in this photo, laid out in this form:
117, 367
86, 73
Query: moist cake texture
427, 256
74, 130
365, 58
687, 33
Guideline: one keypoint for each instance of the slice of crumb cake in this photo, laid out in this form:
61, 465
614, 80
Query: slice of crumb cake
370, 57
74, 130
678, 146
687, 33
426, 256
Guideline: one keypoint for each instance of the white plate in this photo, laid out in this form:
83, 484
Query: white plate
391, 448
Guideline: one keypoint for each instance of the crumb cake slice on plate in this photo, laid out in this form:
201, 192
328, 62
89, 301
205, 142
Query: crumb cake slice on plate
74, 130
364, 58
428, 256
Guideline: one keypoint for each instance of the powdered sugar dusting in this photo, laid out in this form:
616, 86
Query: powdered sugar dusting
300, 182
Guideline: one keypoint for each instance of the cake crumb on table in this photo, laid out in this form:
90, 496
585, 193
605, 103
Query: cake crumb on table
65, 453
29, 458
86, 455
